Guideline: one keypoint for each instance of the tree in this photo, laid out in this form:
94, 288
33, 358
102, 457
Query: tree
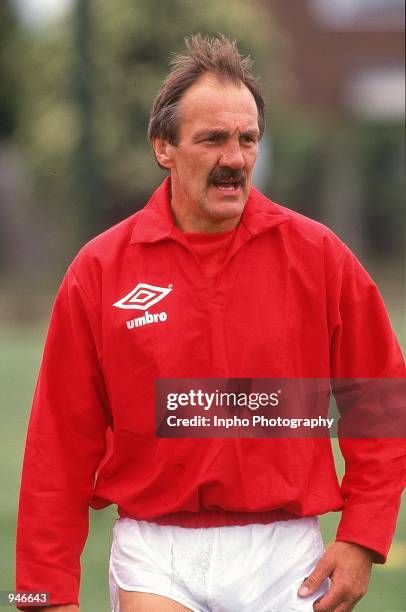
8, 74
126, 47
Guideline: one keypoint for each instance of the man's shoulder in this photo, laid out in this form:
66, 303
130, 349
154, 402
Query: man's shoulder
298, 224
307, 243
109, 244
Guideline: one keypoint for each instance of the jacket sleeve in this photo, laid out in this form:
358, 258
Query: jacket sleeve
364, 346
65, 442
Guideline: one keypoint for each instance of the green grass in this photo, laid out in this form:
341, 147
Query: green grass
20, 353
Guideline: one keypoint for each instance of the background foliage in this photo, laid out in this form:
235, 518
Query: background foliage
74, 158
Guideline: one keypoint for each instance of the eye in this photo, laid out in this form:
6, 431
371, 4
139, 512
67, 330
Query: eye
247, 138
215, 138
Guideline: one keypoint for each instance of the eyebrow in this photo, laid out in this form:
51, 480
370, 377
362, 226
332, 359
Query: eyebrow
216, 133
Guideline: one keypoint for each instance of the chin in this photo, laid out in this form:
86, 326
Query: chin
228, 204
227, 211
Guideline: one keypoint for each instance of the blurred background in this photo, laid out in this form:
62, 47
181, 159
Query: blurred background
77, 79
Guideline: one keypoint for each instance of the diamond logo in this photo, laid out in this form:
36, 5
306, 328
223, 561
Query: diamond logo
143, 296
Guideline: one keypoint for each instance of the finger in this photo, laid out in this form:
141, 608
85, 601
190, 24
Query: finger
336, 600
322, 571
346, 606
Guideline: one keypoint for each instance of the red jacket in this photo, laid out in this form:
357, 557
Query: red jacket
292, 302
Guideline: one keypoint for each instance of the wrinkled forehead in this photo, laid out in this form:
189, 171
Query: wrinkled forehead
211, 103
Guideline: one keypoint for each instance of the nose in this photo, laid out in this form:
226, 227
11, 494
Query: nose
232, 156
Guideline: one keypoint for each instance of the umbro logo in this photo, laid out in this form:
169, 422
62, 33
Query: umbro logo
143, 297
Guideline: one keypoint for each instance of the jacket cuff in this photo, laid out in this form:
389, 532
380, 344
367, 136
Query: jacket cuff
370, 527
62, 587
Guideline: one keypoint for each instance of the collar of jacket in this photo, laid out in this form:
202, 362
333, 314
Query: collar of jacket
155, 221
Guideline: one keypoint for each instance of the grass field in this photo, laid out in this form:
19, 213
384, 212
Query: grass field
20, 352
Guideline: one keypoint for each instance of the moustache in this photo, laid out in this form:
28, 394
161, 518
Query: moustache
227, 174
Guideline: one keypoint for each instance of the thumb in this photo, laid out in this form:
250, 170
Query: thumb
316, 578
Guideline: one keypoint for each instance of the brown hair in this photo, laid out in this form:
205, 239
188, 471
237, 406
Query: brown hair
219, 56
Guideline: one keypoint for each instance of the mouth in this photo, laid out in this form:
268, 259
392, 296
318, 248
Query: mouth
230, 186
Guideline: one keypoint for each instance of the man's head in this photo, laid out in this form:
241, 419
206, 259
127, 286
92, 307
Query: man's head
205, 126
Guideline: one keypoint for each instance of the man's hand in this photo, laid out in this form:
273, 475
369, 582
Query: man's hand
349, 568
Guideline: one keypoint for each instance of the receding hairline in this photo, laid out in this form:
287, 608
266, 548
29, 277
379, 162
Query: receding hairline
227, 83
218, 79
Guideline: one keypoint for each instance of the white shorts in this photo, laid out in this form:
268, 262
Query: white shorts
253, 568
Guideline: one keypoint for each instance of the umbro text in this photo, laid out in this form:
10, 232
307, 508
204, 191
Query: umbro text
147, 319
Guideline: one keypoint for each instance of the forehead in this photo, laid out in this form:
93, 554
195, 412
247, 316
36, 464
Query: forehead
211, 103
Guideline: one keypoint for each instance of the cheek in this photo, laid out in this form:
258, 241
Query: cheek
198, 173
251, 159
194, 171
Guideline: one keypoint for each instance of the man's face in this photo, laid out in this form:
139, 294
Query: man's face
211, 165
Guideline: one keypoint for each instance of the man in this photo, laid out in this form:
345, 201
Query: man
210, 279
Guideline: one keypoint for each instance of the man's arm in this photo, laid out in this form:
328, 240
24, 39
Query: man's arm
66, 441
363, 345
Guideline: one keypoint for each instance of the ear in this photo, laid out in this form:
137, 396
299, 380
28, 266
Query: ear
163, 152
